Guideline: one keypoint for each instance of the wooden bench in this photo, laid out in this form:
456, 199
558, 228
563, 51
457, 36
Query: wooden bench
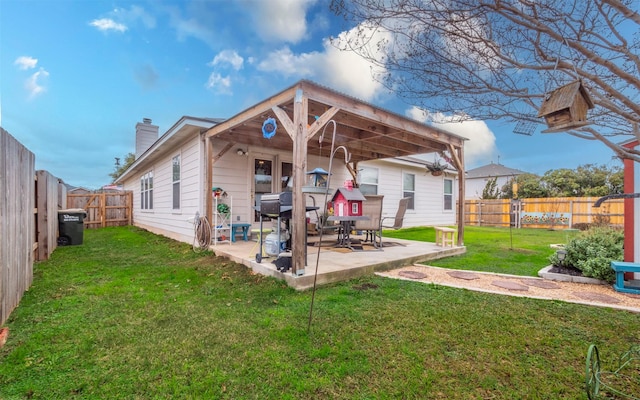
444, 236
240, 228
620, 267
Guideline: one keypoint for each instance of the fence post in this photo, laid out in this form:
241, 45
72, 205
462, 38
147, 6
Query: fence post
103, 209
571, 214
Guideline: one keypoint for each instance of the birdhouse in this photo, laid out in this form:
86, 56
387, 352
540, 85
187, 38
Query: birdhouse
316, 181
566, 108
347, 203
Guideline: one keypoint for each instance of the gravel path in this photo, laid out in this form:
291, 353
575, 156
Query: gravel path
538, 288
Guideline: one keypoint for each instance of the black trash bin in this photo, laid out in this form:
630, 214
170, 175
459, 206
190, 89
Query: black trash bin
71, 226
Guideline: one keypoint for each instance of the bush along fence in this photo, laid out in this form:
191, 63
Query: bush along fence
549, 213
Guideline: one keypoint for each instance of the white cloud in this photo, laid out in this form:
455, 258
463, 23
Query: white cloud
133, 14
280, 20
218, 83
34, 84
342, 70
288, 64
348, 72
479, 149
107, 24
229, 57
26, 62
196, 25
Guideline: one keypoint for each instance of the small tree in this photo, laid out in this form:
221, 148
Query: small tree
490, 190
119, 169
499, 59
529, 186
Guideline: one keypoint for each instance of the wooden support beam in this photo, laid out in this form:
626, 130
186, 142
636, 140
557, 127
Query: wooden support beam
222, 152
320, 122
458, 164
208, 173
353, 170
252, 112
458, 157
285, 121
298, 217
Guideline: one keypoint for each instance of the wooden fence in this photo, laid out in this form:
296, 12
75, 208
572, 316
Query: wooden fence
17, 222
556, 213
104, 209
50, 197
28, 219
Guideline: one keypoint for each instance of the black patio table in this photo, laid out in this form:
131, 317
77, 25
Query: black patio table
344, 234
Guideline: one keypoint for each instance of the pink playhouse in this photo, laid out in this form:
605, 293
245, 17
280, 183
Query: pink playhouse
347, 202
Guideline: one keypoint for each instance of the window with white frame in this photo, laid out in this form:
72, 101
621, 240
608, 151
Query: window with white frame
448, 194
146, 191
368, 180
176, 181
409, 188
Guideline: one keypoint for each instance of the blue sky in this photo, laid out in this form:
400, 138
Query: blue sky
76, 76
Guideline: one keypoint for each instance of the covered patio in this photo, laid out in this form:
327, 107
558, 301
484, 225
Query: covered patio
368, 133
337, 264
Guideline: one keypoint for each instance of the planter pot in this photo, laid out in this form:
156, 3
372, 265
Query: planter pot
436, 173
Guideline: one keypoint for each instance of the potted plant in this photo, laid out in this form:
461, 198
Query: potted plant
436, 168
223, 209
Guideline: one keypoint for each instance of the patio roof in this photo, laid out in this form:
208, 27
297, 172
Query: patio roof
367, 131
303, 112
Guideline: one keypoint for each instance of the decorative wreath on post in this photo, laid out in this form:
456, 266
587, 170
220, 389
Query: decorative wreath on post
269, 128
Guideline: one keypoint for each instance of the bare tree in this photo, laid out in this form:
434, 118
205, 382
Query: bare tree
498, 59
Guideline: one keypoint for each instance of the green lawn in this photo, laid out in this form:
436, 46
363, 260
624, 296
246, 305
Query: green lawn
501, 250
132, 315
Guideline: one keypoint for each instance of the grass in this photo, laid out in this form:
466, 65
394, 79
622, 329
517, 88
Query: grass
136, 316
500, 250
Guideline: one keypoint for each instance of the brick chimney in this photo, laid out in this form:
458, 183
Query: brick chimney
146, 135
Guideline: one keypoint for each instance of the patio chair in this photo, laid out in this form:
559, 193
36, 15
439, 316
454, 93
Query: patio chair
398, 220
372, 208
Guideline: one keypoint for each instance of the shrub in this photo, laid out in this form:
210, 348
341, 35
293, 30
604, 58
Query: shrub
593, 250
601, 220
582, 226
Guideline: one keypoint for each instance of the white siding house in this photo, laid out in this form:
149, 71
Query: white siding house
233, 171
172, 180
431, 205
151, 178
477, 178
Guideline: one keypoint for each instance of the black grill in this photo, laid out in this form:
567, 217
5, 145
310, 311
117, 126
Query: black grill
276, 203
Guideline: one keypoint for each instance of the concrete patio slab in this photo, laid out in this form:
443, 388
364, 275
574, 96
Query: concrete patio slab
338, 264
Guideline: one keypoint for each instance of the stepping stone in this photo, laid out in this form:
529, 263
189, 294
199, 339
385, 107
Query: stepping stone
591, 296
510, 285
469, 276
540, 283
412, 274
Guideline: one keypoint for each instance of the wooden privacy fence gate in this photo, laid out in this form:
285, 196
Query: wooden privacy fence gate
556, 212
103, 209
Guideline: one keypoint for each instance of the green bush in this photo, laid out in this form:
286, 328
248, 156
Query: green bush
593, 250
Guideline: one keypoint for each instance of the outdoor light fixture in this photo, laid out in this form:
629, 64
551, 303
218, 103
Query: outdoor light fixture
562, 254
241, 152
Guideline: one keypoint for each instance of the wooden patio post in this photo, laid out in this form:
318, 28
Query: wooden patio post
458, 159
208, 176
299, 213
